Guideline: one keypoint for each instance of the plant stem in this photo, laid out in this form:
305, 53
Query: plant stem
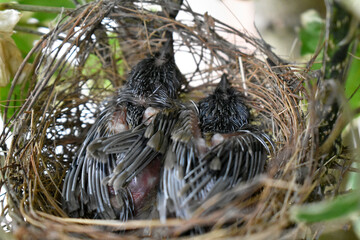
27, 30
33, 8
339, 126
32, 31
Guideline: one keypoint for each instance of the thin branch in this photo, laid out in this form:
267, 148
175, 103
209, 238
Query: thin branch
34, 8
28, 30
339, 126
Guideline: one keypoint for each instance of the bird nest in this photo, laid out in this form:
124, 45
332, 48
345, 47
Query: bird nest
86, 58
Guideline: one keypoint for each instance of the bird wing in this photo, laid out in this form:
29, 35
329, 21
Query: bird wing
180, 159
143, 145
239, 158
83, 192
191, 177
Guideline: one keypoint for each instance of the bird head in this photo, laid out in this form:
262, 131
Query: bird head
223, 111
156, 75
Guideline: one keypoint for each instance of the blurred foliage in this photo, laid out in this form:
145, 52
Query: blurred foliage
311, 34
44, 17
27, 32
311, 31
25, 42
352, 84
17, 98
341, 206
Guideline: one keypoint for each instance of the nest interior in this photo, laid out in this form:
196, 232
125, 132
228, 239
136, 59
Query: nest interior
85, 59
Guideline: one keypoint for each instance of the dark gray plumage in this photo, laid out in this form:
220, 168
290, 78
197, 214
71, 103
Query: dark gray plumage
118, 164
213, 148
223, 111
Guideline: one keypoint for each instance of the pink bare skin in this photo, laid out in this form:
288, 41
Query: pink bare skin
143, 186
143, 189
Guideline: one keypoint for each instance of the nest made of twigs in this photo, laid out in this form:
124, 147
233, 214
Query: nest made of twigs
85, 58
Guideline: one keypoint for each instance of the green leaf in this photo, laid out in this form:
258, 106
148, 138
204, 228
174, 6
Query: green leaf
341, 206
92, 66
352, 83
310, 37
17, 98
114, 43
57, 3
310, 32
45, 17
24, 42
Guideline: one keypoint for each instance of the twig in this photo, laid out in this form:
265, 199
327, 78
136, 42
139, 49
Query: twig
339, 125
34, 8
329, 9
27, 30
78, 2
243, 79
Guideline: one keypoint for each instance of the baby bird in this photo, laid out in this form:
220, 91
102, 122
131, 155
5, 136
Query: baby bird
118, 166
213, 148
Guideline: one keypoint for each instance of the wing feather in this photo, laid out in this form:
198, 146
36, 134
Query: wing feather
239, 157
83, 193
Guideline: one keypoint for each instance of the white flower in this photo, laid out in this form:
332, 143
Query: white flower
10, 56
8, 20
